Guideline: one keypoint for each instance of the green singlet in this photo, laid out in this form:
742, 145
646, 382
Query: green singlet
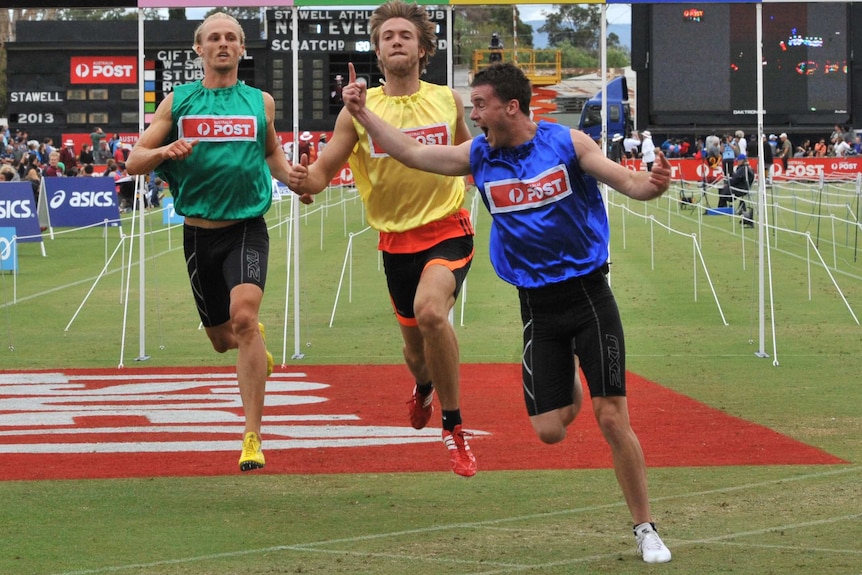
226, 176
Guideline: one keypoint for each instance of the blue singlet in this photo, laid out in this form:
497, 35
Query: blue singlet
549, 221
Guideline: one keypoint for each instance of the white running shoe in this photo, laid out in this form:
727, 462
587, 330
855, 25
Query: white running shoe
650, 545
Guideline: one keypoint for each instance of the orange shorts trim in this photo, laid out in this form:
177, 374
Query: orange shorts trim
454, 266
406, 321
427, 236
451, 265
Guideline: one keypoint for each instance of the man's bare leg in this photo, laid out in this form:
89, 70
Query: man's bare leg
242, 333
433, 355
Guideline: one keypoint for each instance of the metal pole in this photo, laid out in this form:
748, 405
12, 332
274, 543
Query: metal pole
761, 195
515, 34
297, 353
141, 188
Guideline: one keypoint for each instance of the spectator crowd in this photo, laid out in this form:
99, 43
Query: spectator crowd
29, 160
26, 159
722, 150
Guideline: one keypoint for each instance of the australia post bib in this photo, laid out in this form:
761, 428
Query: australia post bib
218, 128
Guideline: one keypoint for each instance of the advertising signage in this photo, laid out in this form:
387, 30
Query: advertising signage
103, 70
806, 63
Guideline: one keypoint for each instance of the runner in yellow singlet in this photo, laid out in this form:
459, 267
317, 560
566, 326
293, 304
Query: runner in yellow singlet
425, 234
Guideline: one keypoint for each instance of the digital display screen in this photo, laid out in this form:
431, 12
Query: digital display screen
703, 63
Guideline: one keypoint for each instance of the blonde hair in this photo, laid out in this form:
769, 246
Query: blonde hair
219, 16
414, 13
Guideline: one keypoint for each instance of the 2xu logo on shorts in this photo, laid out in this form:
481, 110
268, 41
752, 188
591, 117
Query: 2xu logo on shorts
218, 128
435, 135
513, 195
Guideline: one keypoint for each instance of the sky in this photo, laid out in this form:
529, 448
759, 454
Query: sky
617, 13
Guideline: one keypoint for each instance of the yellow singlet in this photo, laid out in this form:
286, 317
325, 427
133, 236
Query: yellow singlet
400, 200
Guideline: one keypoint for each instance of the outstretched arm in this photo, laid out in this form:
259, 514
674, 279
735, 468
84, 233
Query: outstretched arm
313, 178
149, 151
278, 165
636, 185
445, 160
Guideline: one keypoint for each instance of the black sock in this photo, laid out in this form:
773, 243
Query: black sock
652, 523
451, 419
424, 388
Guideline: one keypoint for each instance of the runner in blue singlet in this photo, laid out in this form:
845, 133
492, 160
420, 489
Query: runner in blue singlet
549, 238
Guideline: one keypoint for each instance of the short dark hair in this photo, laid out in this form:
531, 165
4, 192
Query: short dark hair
509, 82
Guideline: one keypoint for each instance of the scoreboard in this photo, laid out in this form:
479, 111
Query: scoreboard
67, 77
327, 41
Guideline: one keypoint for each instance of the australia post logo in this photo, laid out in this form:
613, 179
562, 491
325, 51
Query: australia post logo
104, 70
514, 195
436, 135
218, 128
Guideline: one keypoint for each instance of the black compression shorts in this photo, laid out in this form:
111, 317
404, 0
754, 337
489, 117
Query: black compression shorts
404, 270
576, 316
220, 259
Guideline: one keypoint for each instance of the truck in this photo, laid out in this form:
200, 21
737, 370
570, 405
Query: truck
619, 116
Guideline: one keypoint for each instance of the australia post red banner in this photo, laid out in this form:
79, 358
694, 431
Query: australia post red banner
690, 169
103, 70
